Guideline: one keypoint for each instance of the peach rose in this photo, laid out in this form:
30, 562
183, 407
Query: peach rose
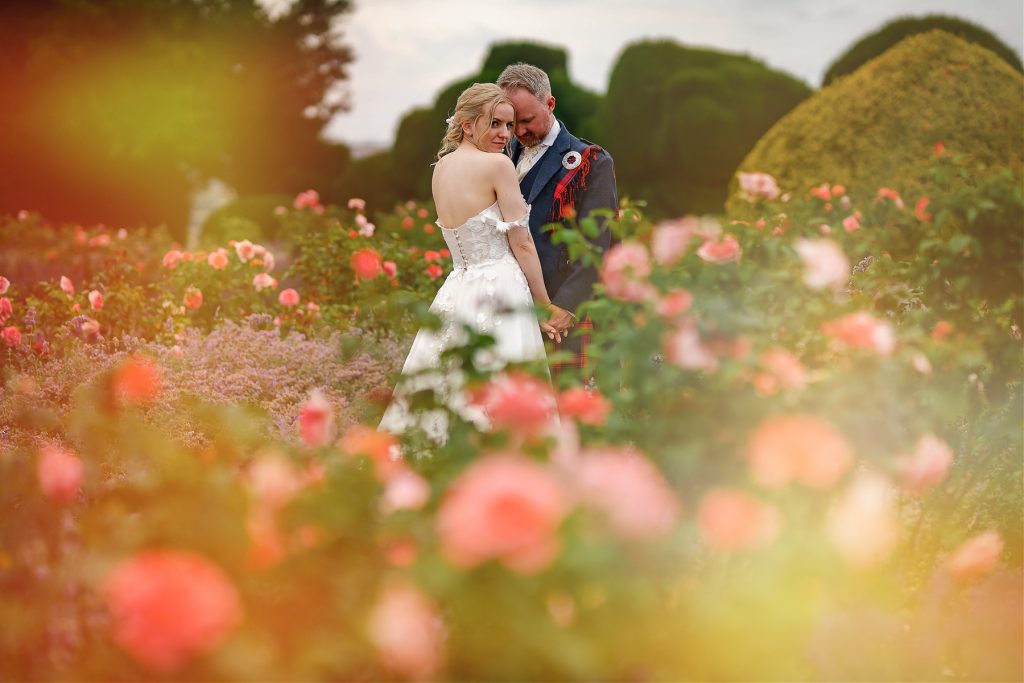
670, 240
405, 490
822, 192
245, 250
5, 284
624, 272
390, 269
193, 298
587, 406
800, 448
262, 281
976, 556
357, 204
862, 524
825, 264
758, 186
274, 480
60, 473
218, 260
730, 520
861, 330
723, 251
684, 348
96, 299
169, 606
171, 259
137, 380
889, 194
674, 303
310, 199
367, 264
434, 271
504, 507
785, 367
628, 491
518, 402
928, 464
404, 626
67, 285
920, 210
380, 447
851, 223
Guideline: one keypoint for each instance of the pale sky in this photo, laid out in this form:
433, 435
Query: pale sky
408, 50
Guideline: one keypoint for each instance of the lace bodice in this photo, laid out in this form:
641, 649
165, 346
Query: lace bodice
483, 238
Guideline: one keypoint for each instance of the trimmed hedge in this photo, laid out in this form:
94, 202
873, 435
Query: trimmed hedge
874, 44
878, 127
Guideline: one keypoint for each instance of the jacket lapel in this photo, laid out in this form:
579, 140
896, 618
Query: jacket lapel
550, 163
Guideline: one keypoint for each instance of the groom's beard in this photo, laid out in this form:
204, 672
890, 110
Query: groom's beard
532, 140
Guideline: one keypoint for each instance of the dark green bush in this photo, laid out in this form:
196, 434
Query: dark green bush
874, 44
246, 218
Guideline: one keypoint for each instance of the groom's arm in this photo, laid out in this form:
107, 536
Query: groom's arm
600, 193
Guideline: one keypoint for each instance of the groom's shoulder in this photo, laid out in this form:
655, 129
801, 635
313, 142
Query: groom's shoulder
595, 149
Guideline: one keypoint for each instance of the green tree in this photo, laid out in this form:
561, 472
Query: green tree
109, 107
874, 44
679, 119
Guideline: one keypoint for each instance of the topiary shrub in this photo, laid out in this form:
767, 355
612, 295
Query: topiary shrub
250, 218
874, 44
677, 120
877, 127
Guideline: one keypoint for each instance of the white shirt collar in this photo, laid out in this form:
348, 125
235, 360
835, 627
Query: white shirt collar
549, 139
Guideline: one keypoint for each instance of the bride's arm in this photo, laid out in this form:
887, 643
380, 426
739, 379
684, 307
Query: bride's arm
515, 211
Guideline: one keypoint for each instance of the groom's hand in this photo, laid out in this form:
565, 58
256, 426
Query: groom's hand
561, 320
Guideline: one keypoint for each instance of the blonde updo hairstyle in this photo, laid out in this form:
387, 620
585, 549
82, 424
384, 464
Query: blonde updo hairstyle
476, 104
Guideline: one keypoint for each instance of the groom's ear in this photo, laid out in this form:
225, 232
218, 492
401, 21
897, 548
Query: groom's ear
551, 103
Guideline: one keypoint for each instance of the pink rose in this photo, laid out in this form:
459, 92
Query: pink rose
137, 380
728, 249
862, 524
518, 402
861, 330
404, 490
587, 406
288, 297
503, 507
169, 606
96, 300
889, 194
838, 190
6, 309
316, 420
262, 281
245, 250
67, 286
380, 447
357, 204
785, 368
976, 556
171, 259
758, 186
404, 627
218, 260
920, 210
60, 473
628, 491
193, 298
822, 192
274, 480
434, 271
684, 348
851, 223
825, 263
390, 269
670, 240
674, 303
310, 199
268, 261
928, 464
11, 336
730, 520
625, 270
5, 284
800, 448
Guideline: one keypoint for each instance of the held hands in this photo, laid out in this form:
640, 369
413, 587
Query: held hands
559, 323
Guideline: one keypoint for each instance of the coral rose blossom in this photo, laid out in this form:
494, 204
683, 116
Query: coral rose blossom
625, 270
976, 556
316, 420
920, 210
245, 250
730, 520
137, 380
587, 406
404, 626
380, 447
6, 309
193, 298
169, 606
684, 348
5, 284
503, 507
861, 330
928, 464
674, 303
434, 271
218, 260
390, 269
800, 448
96, 299
628, 491
262, 281
518, 402
862, 524
723, 251
310, 199
670, 240
60, 473
11, 336
67, 285
785, 368
357, 204
171, 259
405, 490
825, 264
367, 264
288, 297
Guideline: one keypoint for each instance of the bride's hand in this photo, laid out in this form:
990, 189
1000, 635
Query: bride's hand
552, 332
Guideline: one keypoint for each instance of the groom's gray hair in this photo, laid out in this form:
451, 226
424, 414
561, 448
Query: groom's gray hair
528, 77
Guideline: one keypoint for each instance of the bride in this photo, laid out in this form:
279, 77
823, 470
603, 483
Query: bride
497, 274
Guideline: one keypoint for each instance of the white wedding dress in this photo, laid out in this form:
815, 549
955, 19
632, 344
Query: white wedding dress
487, 291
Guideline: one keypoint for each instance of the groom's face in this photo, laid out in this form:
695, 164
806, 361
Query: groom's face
533, 117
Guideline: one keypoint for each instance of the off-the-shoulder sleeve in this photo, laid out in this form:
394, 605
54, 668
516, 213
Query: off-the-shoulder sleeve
522, 222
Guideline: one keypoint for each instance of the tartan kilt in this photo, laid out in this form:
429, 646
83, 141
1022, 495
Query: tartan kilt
577, 343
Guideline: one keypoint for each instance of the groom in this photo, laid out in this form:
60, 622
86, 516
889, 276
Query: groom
562, 177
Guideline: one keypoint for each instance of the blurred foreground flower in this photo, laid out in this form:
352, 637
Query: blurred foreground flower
60, 473
316, 420
367, 264
137, 380
825, 264
405, 628
758, 186
168, 606
503, 507
518, 402
625, 270
731, 520
976, 556
800, 448
861, 330
928, 464
862, 524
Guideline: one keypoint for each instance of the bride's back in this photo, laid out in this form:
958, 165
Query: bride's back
463, 185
